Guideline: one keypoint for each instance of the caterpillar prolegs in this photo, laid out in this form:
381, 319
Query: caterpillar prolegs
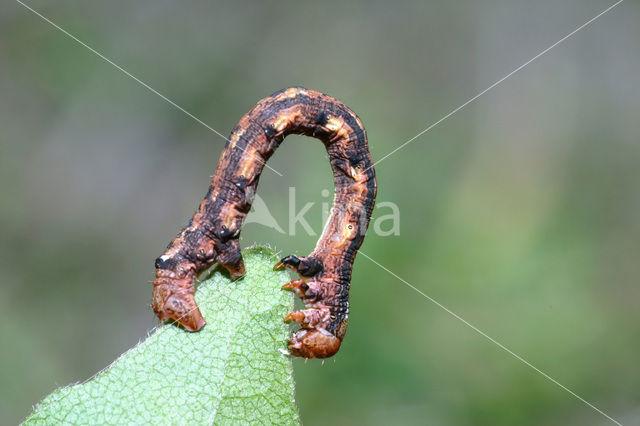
212, 235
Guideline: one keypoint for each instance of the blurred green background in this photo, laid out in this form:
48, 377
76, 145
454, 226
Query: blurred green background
521, 212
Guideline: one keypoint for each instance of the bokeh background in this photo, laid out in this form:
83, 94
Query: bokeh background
521, 212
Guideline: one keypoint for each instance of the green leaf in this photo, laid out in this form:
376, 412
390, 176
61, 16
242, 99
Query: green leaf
231, 371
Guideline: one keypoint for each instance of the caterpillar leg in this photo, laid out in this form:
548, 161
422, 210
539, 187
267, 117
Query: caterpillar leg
305, 266
309, 318
313, 340
230, 257
173, 289
299, 287
173, 299
313, 343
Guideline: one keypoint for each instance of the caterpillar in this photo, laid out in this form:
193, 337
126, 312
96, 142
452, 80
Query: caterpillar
212, 234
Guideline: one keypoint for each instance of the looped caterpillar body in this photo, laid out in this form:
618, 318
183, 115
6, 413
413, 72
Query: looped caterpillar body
212, 235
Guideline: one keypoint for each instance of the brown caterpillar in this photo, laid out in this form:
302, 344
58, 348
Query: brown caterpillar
212, 234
